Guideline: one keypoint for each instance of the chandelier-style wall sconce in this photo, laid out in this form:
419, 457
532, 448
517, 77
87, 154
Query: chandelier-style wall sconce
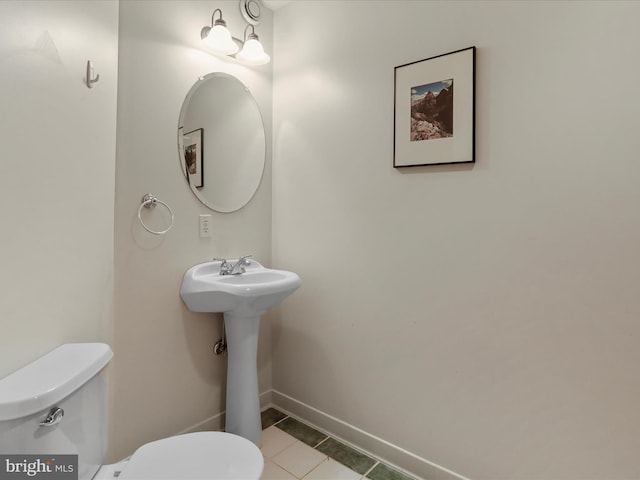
218, 38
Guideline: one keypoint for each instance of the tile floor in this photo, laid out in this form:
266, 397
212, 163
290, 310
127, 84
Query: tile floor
293, 450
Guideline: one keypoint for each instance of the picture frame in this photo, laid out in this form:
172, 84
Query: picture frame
434, 110
194, 157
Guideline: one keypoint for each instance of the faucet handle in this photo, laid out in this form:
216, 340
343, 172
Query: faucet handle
238, 267
225, 267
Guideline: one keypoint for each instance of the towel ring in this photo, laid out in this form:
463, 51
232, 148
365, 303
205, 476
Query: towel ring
150, 201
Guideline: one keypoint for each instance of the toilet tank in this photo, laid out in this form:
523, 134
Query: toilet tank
66, 378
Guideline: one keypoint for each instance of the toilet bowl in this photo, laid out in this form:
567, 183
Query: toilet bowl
195, 456
57, 405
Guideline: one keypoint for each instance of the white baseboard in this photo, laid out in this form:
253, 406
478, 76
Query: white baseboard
215, 423
361, 440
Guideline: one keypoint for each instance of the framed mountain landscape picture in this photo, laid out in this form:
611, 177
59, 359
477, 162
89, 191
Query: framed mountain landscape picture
434, 113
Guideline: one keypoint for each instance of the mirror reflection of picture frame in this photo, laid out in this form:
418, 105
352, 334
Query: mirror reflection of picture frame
193, 157
234, 173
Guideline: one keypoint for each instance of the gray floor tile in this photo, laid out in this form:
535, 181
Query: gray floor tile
383, 472
271, 416
346, 455
302, 432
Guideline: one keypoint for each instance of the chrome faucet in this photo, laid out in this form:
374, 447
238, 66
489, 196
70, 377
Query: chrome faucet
237, 268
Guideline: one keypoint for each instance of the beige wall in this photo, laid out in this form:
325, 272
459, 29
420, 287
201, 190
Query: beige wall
165, 376
482, 318
56, 176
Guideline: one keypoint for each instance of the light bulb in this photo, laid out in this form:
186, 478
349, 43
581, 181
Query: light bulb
219, 40
252, 53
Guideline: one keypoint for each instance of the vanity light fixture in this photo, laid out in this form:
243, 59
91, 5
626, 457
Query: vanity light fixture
252, 52
218, 38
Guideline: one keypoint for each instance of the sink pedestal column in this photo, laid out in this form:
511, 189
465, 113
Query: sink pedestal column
243, 402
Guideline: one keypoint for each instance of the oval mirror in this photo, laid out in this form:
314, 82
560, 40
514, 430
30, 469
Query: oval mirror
221, 142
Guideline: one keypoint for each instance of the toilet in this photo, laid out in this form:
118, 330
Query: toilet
57, 405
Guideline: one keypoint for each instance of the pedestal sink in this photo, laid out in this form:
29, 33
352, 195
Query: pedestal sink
242, 298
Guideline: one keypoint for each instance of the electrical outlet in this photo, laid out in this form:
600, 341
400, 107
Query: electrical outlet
205, 226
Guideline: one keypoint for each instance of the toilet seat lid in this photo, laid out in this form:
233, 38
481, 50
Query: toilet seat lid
196, 456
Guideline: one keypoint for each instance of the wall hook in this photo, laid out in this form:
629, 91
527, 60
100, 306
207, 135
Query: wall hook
90, 75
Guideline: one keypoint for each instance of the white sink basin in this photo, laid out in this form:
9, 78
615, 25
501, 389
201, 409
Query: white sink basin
250, 293
242, 298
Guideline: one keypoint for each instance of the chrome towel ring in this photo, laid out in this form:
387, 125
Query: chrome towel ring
150, 201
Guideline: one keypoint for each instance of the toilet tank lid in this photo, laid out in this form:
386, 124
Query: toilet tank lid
51, 378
